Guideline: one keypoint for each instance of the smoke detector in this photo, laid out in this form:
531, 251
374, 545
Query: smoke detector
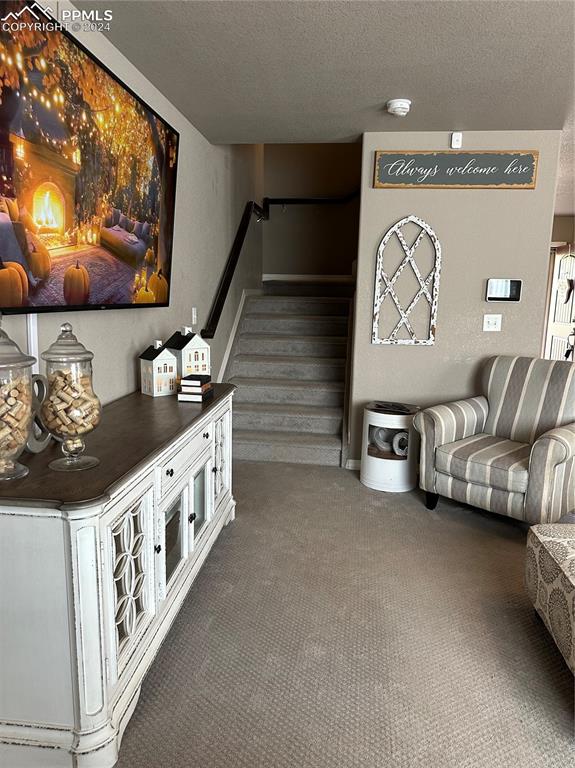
398, 107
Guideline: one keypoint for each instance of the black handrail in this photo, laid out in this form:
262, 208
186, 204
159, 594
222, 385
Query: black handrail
262, 213
227, 275
267, 201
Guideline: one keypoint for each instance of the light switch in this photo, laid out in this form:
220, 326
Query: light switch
492, 323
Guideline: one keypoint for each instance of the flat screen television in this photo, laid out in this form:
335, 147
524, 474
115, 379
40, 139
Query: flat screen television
87, 179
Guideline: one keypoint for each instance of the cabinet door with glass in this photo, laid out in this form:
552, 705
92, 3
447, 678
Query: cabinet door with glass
201, 500
128, 539
171, 547
222, 458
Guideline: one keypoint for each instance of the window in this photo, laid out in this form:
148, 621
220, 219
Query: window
165, 367
159, 369
196, 357
171, 368
203, 355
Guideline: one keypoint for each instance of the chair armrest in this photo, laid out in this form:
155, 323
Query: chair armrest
550, 492
447, 423
560, 441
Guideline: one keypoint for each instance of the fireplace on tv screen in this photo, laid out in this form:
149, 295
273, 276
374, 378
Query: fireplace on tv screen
87, 181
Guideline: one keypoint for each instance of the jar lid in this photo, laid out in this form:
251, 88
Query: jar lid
392, 408
11, 356
66, 348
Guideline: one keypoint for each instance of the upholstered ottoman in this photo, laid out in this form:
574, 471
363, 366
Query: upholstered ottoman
550, 581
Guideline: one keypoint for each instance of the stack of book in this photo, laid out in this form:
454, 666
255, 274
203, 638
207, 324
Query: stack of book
195, 389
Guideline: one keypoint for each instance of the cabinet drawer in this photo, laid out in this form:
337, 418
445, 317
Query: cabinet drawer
172, 468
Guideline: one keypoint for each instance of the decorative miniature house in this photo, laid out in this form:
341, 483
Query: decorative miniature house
191, 351
158, 370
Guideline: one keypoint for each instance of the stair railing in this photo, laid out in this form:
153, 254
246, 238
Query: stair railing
262, 213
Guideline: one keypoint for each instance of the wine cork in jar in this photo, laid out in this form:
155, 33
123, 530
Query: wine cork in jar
15, 415
72, 407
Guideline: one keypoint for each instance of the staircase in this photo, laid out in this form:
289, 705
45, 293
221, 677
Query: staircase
288, 364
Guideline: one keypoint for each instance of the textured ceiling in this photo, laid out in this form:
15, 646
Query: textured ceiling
308, 71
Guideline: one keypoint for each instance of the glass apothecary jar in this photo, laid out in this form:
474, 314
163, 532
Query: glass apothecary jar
70, 409
15, 406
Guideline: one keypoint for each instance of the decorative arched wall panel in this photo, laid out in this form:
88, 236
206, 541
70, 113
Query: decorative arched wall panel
407, 284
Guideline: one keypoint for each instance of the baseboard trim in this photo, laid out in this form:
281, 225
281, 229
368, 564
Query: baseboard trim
353, 464
345, 279
234, 329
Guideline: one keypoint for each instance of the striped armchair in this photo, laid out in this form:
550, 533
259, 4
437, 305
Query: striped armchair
510, 450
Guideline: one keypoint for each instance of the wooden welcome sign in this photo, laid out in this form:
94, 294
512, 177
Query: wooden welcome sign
475, 169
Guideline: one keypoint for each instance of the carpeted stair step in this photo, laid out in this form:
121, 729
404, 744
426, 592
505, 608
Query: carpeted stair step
335, 288
287, 418
292, 447
289, 367
298, 325
250, 390
298, 305
286, 344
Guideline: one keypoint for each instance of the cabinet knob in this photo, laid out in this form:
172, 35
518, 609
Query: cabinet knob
170, 472
158, 549
192, 517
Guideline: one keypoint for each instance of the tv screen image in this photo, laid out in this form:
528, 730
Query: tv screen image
87, 181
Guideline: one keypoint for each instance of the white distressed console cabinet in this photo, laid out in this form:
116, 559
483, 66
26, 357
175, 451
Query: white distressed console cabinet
94, 567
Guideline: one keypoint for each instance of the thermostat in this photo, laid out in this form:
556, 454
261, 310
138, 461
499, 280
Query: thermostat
456, 140
503, 289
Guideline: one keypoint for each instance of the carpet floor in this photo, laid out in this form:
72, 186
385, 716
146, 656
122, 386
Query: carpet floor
337, 627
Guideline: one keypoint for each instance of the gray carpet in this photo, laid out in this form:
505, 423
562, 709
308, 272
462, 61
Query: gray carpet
337, 627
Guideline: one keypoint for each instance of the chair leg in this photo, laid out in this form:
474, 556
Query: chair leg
431, 499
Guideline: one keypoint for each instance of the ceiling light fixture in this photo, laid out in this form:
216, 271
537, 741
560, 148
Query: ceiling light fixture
398, 107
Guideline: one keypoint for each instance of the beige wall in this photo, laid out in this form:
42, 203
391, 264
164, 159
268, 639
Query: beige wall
311, 239
214, 184
563, 229
483, 233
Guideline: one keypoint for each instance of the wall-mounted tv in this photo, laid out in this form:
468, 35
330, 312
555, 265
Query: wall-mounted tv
87, 178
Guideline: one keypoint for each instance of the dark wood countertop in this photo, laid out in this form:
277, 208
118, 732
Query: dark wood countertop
133, 430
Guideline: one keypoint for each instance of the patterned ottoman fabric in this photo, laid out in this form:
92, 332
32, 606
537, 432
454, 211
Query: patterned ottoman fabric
550, 581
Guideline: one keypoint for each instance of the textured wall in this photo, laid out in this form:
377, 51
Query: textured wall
311, 239
483, 233
563, 229
214, 183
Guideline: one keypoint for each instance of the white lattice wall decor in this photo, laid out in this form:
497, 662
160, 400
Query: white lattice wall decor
408, 290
